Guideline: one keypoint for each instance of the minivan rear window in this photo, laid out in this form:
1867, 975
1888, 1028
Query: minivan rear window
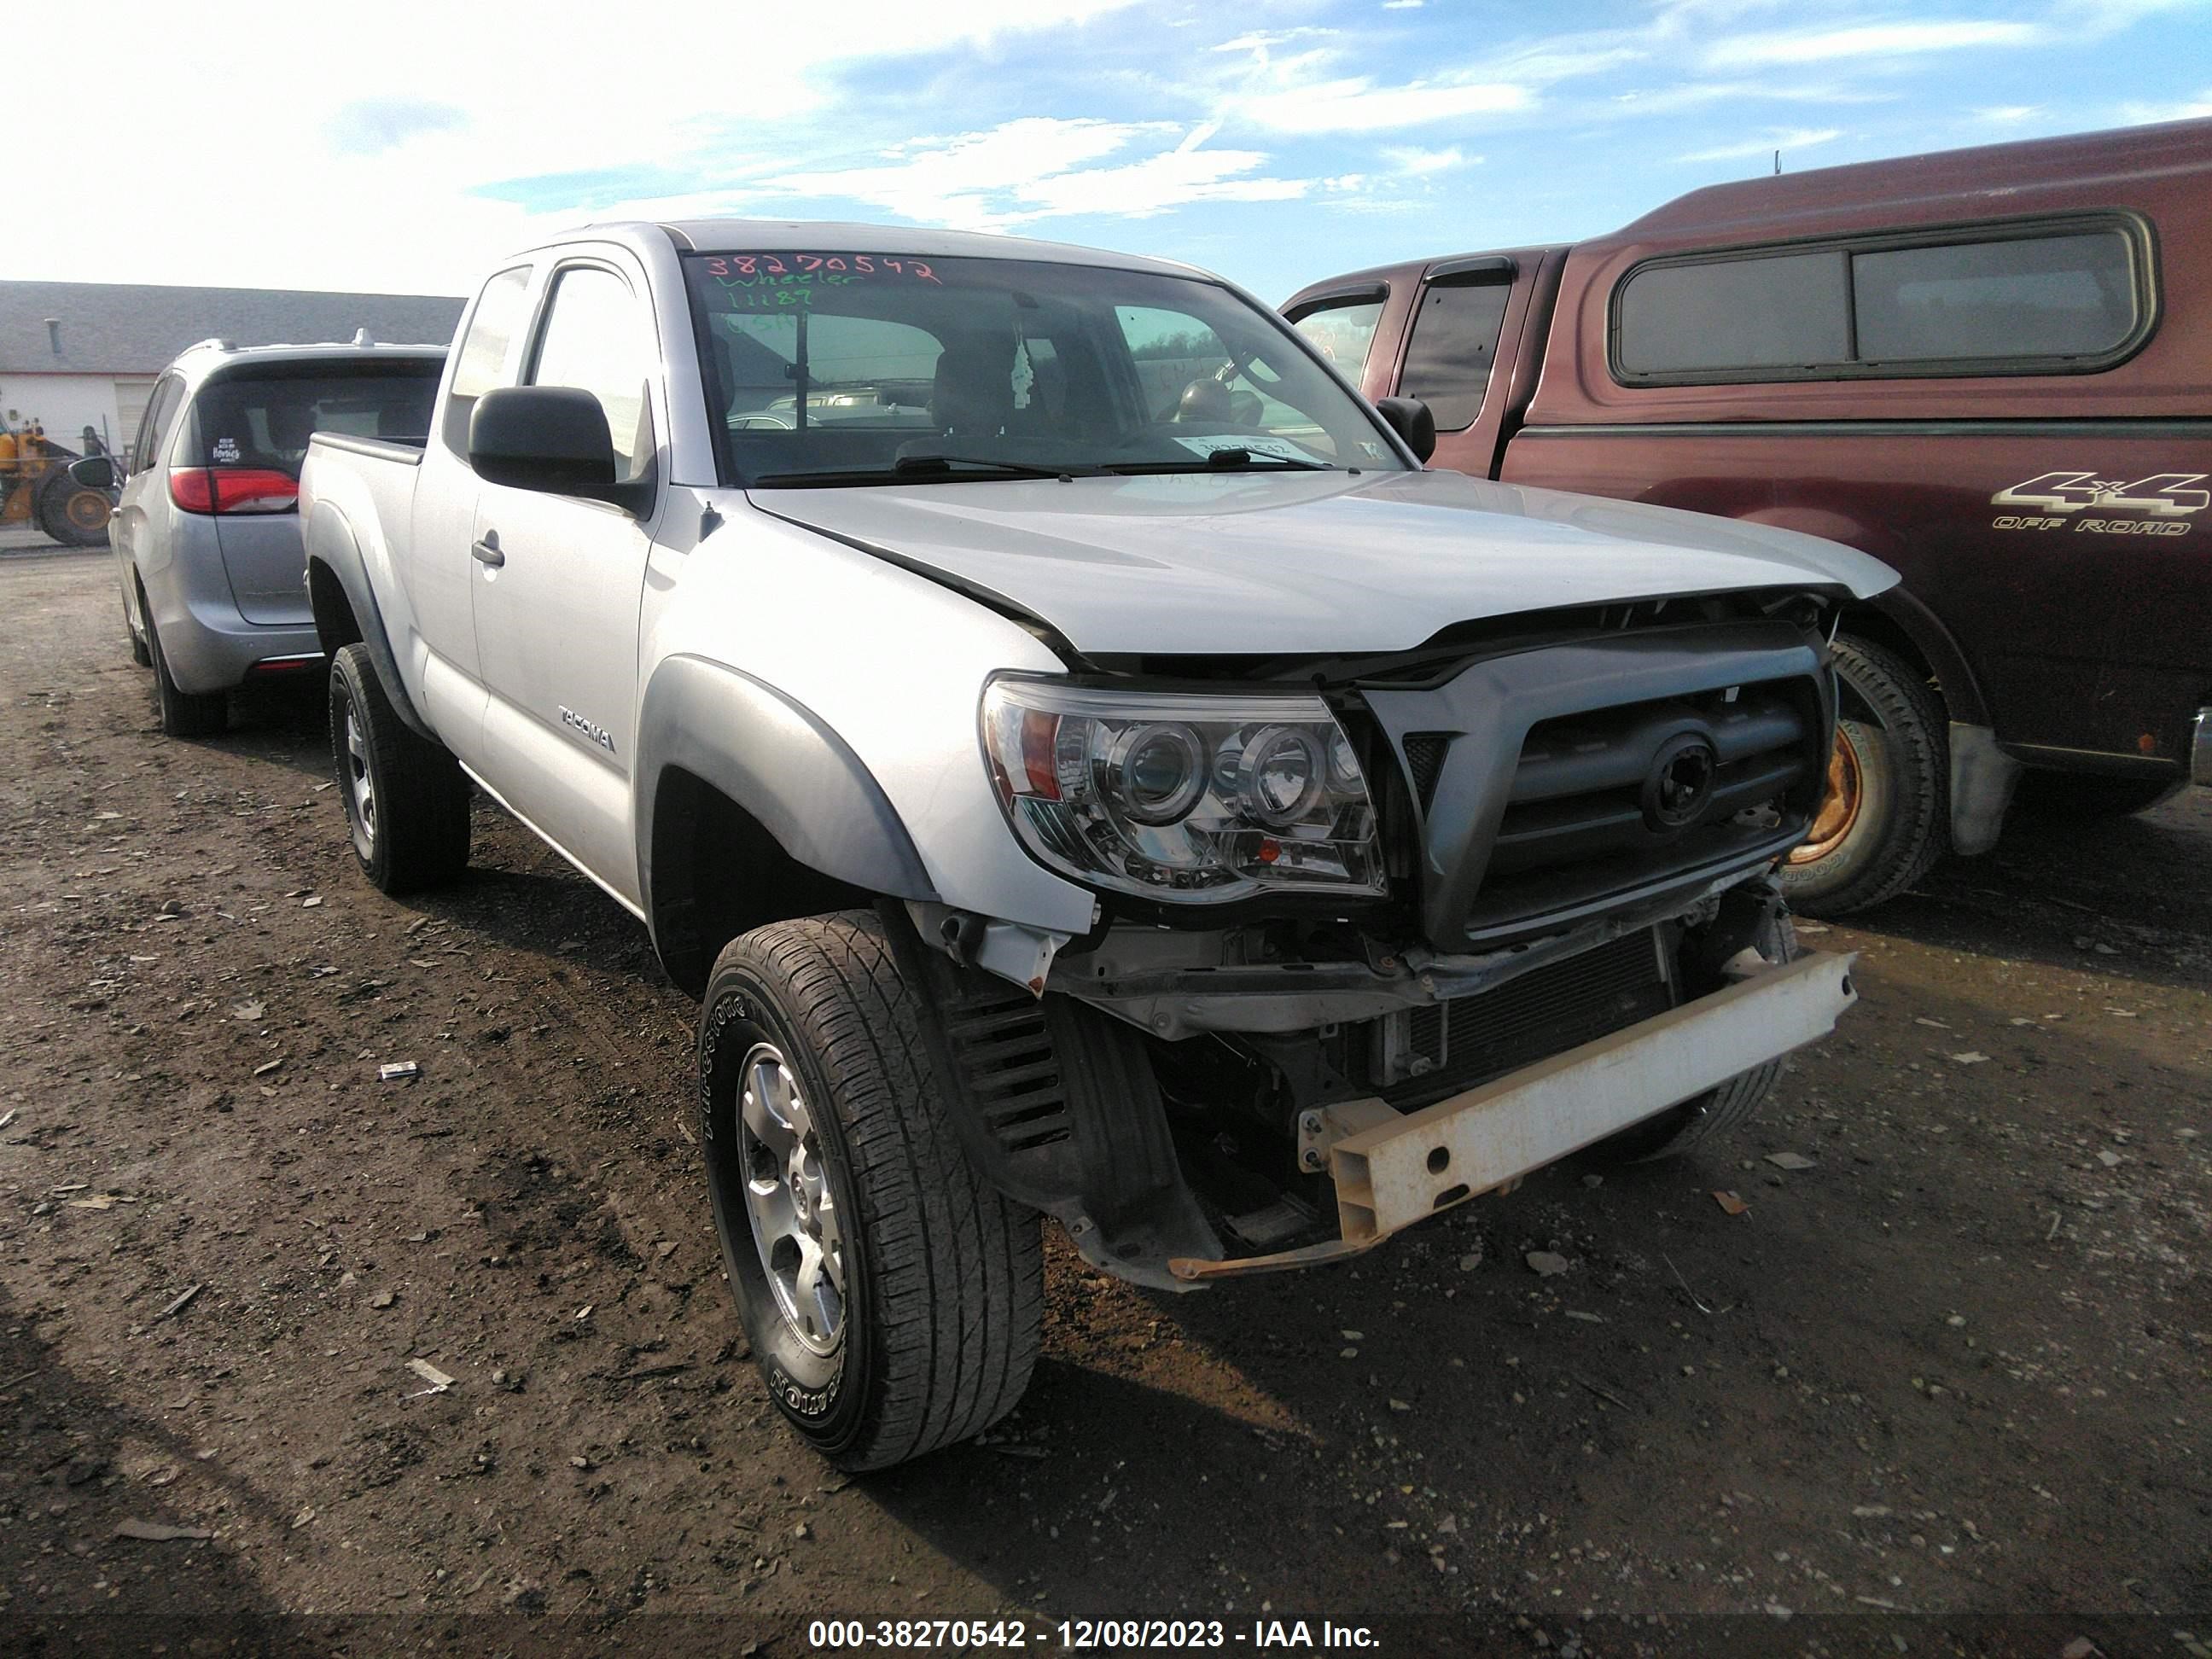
263, 417
2060, 300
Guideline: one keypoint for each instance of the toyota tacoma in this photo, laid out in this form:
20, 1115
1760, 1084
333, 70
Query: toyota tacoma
1084, 763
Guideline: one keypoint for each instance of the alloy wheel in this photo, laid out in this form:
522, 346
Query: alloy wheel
795, 1224
359, 784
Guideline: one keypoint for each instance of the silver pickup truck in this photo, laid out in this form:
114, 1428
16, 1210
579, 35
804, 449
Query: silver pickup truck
1083, 761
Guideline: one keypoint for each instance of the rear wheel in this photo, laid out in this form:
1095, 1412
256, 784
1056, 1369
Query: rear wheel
72, 513
184, 714
406, 798
2079, 795
893, 1299
1881, 823
141, 652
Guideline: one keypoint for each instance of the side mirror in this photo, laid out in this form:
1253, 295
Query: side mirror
553, 439
94, 472
1409, 418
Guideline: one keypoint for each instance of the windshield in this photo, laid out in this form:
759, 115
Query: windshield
845, 368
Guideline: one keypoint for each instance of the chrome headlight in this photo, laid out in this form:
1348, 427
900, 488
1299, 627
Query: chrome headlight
1182, 796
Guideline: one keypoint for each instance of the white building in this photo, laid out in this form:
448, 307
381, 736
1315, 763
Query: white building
79, 355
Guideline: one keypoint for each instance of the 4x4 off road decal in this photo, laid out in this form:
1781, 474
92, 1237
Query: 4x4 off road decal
2167, 498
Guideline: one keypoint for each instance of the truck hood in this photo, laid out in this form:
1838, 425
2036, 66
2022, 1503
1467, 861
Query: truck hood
1265, 562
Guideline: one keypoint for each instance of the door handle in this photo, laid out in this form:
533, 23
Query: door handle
487, 551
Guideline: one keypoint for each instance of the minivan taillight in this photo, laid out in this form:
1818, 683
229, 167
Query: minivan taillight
233, 490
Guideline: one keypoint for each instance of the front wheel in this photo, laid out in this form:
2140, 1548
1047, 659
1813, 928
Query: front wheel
894, 1300
1883, 820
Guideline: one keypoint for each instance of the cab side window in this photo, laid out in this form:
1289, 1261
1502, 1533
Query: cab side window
595, 337
1343, 334
481, 362
1454, 342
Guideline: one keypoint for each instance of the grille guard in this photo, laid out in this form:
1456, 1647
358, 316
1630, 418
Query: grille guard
1487, 711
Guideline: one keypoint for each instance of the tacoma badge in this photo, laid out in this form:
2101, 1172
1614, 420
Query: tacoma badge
596, 732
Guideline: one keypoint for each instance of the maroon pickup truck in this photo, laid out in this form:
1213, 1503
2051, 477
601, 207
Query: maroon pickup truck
1991, 368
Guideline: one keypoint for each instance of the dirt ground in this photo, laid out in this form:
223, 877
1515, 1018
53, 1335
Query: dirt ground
1956, 1365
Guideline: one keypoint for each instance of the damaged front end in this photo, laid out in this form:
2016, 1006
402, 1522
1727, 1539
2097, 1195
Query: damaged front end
1433, 922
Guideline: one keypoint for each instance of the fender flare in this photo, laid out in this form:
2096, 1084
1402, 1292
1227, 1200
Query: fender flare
780, 762
331, 543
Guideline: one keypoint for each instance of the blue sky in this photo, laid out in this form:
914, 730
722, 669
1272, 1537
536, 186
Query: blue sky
404, 146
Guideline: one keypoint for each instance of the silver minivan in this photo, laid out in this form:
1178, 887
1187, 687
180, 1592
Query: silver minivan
206, 534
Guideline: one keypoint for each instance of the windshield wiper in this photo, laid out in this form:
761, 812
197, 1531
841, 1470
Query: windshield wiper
918, 469
910, 466
1230, 460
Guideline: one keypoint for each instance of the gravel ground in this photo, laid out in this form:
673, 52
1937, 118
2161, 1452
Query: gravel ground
1941, 1386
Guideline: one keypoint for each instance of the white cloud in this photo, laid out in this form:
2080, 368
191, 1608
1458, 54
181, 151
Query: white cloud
1699, 95
1415, 162
2140, 114
1869, 40
2006, 115
1138, 190
1038, 168
962, 181
1358, 104
389, 193
1784, 140
1262, 41
1401, 5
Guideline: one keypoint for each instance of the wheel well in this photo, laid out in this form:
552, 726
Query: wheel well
335, 624
717, 872
1863, 622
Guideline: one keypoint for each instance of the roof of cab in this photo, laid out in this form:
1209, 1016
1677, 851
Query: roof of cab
799, 235
1982, 176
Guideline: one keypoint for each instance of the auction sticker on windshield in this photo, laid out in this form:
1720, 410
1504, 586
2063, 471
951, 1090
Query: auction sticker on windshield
1281, 448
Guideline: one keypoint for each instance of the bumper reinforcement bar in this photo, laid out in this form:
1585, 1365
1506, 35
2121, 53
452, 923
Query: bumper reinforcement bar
1393, 1169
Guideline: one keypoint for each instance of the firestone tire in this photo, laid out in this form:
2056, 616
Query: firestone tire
406, 799
894, 1300
1720, 1112
1897, 768
184, 714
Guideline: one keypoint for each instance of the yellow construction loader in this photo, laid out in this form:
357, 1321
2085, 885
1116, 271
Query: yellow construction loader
36, 488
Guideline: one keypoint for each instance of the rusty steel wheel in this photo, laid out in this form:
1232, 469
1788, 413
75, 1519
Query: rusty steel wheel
1839, 808
1883, 818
